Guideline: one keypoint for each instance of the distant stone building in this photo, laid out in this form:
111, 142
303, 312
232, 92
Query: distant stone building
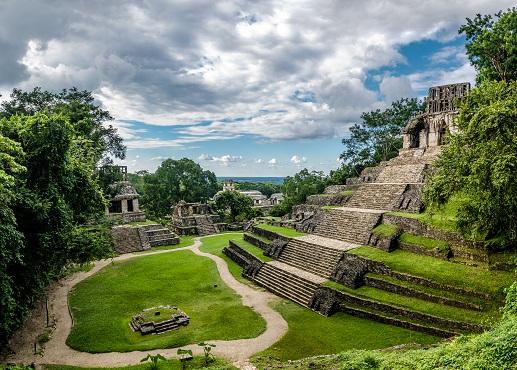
429, 129
194, 219
259, 200
124, 203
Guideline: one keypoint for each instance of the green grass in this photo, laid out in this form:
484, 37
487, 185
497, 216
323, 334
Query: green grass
442, 218
284, 231
265, 240
254, 250
385, 230
441, 271
311, 334
172, 364
419, 305
185, 241
425, 242
215, 245
432, 291
103, 304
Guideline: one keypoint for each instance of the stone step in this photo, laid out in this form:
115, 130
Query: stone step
348, 225
402, 173
381, 196
286, 284
388, 319
164, 241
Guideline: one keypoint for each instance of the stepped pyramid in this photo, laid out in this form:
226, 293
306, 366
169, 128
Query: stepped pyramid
303, 263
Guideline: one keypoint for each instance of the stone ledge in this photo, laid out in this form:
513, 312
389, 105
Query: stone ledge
256, 241
271, 235
399, 289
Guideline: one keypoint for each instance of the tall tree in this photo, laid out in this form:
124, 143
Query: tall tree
235, 206
177, 180
378, 136
492, 45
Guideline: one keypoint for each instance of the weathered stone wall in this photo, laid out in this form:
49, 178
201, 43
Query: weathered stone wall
268, 234
328, 199
256, 241
126, 239
335, 189
459, 246
250, 264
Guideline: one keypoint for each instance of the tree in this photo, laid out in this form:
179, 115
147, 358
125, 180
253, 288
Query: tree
177, 180
49, 147
297, 188
265, 188
88, 119
492, 45
235, 206
480, 164
378, 137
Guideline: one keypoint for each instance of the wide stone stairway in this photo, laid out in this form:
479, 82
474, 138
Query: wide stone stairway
314, 254
289, 282
347, 224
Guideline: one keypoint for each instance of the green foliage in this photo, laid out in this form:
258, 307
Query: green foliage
50, 145
234, 206
153, 359
339, 176
265, 188
207, 348
492, 45
297, 188
378, 137
468, 167
176, 180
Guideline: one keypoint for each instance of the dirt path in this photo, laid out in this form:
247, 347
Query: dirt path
238, 351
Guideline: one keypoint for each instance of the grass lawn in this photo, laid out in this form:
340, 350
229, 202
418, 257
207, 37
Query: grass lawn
441, 271
215, 245
254, 250
284, 231
173, 364
385, 230
103, 304
425, 242
419, 305
311, 334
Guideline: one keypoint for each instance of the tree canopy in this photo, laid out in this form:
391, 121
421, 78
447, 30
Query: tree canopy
378, 136
49, 147
234, 206
492, 45
297, 188
176, 180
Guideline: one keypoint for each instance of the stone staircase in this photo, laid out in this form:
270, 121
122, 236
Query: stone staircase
313, 258
381, 196
347, 224
160, 236
205, 226
404, 174
290, 282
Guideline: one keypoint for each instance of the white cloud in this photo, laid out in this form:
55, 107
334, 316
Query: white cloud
394, 88
272, 162
258, 160
224, 160
236, 64
297, 160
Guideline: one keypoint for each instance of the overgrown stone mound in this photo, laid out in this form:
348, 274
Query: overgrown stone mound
157, 320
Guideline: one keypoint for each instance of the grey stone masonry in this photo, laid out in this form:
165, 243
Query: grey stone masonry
287, 281
347, 224
405, 174
377, 196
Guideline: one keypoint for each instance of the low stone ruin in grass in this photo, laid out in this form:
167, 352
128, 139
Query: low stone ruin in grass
159, 319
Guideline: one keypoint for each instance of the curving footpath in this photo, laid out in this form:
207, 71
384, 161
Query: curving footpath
237, 351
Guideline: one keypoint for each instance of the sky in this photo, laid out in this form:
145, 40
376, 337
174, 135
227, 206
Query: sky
244, 88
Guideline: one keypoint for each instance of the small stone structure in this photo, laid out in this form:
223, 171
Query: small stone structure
124, 203
195, 219
159, 319
129, 238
